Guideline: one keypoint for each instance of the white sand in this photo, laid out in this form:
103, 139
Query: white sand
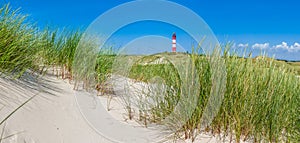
51, 117
56, 116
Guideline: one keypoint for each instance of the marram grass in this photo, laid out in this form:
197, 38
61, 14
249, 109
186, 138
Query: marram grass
17, 42
261, 101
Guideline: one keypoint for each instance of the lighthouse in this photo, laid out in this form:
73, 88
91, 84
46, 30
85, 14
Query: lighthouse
174, 42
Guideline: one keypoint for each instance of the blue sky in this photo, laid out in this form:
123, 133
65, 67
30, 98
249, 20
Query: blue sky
268, 25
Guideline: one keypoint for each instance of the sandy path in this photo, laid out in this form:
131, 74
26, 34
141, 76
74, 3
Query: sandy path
51, 117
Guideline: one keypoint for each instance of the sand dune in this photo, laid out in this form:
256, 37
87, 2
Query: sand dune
51, 117
58, 114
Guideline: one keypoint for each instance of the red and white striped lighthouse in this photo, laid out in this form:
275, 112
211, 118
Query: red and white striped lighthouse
174, 42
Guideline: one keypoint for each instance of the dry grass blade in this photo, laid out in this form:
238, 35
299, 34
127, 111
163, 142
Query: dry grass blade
8, 116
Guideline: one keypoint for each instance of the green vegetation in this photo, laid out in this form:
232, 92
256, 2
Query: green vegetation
261, 101
295, 66
104, 65
23, 47
58, 52
17, 42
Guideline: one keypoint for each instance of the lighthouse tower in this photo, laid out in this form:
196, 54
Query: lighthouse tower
174, 42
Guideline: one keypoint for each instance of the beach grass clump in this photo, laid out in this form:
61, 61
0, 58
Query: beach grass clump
67, 52
167, 83
296, 66
24, 47
104, 65
261, 101
103, 69
57, 51
85, 61
17, 42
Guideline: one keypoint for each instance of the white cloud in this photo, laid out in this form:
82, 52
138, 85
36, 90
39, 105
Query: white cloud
261, 46
285, 46
243, 45
297, 45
